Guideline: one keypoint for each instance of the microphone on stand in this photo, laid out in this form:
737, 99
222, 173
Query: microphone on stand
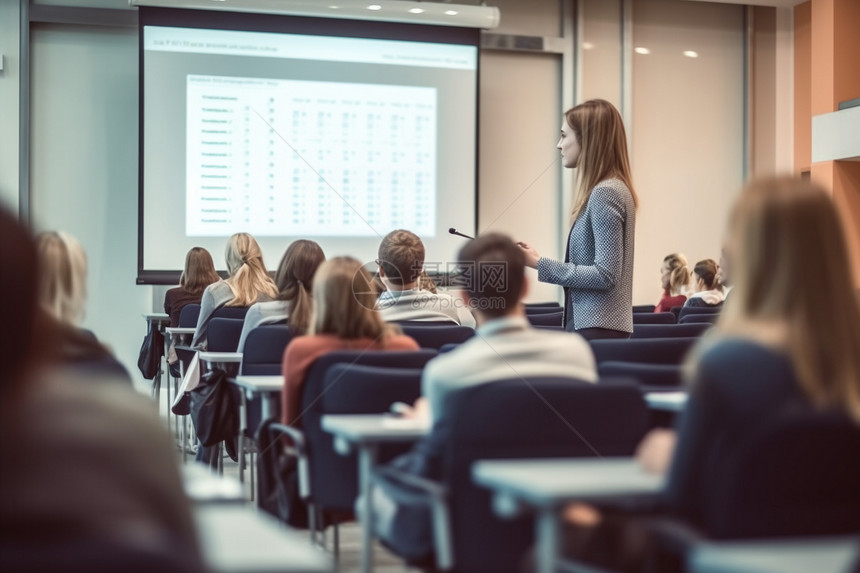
454, 231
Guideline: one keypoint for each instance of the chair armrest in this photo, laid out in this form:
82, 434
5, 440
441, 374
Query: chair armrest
430, 493
674, 535
297, 437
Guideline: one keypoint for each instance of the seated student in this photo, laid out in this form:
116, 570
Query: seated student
294, 280
776, 347
62, 296
504, 346
343, 318
86, 467
706, 288
199, 273
249, 282
674, 276
401, 263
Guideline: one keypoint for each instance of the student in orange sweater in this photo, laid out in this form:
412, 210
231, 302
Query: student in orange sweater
343, 319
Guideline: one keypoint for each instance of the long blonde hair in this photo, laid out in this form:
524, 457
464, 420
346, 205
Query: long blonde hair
791, 270
599, 130
248, 275
679, 274
344, 302
62, 276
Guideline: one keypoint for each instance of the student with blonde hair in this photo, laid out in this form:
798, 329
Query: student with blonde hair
294, 279
674, 277
344, 318
597, 271
62, 298
249, 282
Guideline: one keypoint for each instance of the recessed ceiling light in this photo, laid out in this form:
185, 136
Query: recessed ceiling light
374, 7
416, 10
333, 7
587, 46
641, 50
451, 12
691, 54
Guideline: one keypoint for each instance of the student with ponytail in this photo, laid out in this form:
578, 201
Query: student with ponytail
249, 282
294, 280
597, 271
674, 276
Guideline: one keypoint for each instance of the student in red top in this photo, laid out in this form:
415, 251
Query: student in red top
674, 275
343, 319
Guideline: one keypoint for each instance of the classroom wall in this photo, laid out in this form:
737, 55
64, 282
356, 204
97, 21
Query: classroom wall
10, 12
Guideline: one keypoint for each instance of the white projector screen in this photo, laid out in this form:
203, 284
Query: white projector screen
288, 128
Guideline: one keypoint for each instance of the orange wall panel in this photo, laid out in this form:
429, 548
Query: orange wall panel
846, 34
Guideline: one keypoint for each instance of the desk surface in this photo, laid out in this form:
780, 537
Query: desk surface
826, 555
180, 330
239, 539
668, 401
202, 486
156, 316
374, 428
554, 482
260, 383
221, 356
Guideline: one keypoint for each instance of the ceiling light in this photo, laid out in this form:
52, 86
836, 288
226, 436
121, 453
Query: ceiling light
691, 54
416, 10
451, 12
641, 50
374, 7
587, 46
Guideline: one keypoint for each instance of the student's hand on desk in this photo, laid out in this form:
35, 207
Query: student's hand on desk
532, 256
655, 451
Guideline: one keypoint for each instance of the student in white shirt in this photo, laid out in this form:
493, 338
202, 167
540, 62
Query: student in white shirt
401, 261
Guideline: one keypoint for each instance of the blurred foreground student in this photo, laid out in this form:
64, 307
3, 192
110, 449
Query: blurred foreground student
62, 296
90, 480
776, 350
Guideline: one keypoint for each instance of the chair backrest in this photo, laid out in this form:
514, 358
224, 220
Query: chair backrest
264, 349
648, 376
799, 476
188, 315
425, 322
543, 309
653, 318
548, 417
644, 308
547, 319
669, 330
231, 312
685, 310
437, 336
643, 350
352, 389
709, 318
224, 333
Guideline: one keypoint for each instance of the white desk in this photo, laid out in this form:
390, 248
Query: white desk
667, 401
269, 387
364, 433
548, 485
237, 539
810, 555
202, 486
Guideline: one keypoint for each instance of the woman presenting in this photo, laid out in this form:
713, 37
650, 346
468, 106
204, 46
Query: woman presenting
597, 272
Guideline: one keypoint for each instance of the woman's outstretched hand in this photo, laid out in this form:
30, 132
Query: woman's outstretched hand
531, 254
